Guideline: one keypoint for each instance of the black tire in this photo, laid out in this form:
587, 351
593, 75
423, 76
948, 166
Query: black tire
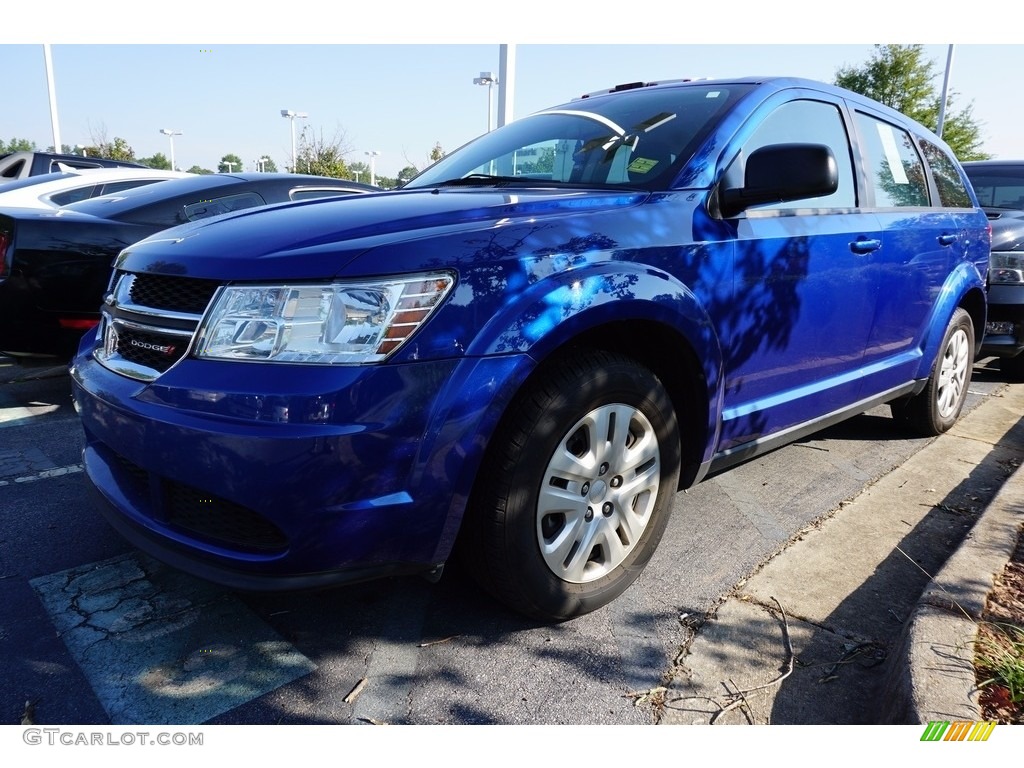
936, 409
528, 509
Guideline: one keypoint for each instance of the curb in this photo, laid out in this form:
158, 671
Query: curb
933, 674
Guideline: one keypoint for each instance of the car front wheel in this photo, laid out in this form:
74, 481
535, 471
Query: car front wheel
575, 490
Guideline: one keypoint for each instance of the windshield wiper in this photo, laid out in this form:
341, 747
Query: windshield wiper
485, 179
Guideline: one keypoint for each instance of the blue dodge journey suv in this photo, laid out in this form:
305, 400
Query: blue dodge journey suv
522, 355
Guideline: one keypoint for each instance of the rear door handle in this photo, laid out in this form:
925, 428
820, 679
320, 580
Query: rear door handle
947, 239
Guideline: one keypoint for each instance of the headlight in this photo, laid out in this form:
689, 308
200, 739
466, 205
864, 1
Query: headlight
1006, 268
319, 323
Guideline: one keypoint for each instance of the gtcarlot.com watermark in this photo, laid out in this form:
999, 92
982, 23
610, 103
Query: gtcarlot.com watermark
74, 738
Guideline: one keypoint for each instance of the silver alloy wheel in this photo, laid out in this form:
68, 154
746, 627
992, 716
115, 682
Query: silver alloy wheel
598, 493
953, 373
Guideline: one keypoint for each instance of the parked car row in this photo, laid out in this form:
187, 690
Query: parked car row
55, 263
54, 190
523, 354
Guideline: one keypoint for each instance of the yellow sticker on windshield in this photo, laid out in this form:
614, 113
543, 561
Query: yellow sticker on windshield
641, 165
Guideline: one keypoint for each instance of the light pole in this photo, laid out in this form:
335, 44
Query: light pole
81, 147
488, 79
358, 174
261, 164
170, 134
231, 166
291, 115
373, 177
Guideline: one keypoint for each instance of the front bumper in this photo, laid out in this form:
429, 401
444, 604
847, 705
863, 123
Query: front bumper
279, 477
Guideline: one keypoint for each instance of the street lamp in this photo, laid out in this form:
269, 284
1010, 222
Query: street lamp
230, 165
81, 147
373, 154
170, 134
261, 164
488, 79
291, 115
358, 174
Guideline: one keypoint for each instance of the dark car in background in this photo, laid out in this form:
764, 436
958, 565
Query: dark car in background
21, 165
535, 343
999, 185
55, 265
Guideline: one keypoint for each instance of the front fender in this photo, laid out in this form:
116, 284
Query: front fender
550, 312
601, 302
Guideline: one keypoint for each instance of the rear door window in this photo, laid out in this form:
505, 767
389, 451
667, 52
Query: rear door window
895, 170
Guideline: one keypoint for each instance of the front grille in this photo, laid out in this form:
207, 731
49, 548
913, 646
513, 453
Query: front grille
149, 322
177, 294
150, 350
218, 520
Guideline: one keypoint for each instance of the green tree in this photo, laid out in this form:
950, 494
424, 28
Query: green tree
200, 171
323, 157
17, 145
437, 152
230, 164
158, 161
118, 149
359, 171
406, 174
900, 77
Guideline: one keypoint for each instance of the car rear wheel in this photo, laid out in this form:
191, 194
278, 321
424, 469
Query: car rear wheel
576, 487
936, 409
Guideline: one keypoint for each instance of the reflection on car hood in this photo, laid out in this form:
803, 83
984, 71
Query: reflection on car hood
318, 238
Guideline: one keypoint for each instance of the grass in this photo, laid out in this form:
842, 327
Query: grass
999, 658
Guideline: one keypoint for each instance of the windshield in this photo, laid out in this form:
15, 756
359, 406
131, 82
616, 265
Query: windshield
998, 186
638, 138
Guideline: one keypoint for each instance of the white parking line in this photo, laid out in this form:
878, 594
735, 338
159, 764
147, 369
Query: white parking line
46, 474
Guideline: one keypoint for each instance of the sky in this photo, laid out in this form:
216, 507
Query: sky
398, 81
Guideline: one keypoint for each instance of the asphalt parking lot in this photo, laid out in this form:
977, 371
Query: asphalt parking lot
93, 632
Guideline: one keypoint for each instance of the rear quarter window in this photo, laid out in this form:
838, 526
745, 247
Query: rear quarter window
952, 190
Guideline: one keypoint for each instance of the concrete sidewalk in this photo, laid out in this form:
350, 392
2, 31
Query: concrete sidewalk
846, 625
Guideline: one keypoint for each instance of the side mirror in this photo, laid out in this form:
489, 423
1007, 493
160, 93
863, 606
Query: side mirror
782, 172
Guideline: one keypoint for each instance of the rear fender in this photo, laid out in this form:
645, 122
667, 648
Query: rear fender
964, 287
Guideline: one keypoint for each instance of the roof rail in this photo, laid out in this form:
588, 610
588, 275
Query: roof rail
634, 86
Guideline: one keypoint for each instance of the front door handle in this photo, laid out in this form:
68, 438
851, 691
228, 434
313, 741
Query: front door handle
865, 245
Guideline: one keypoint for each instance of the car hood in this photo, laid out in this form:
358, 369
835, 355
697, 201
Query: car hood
1007, 229
318, 238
